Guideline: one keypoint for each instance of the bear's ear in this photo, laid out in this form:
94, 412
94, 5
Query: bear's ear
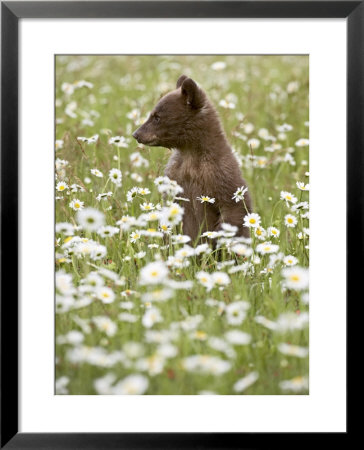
193, 94
180, 80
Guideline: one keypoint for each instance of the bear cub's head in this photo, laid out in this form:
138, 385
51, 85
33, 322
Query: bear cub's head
174, 119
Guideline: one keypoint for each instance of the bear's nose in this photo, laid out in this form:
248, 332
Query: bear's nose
135, 135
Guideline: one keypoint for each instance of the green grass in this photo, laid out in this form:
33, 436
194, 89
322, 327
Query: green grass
257, 85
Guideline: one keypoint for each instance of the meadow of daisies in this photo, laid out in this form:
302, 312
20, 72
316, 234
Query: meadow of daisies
140, 309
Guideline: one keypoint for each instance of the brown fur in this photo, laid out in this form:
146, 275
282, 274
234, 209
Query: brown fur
202, 161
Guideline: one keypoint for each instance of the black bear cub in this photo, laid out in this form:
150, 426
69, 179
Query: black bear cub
202, 162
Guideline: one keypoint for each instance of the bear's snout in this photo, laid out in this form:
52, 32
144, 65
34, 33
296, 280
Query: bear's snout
136, 135
140, 137
144, 136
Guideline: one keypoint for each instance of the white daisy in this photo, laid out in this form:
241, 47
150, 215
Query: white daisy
65, 228
302, 142
151, 317
104, 196
237, 337
220, 279
90, 219
260, 233
288, 197
273, 232
153, 273
302, 186
267, 247
210, 234
59, 144
180, 239
76, 204
206, 199
135, 384
218, 65
242, 250
105, 294
293, 350
147, 206
290, 221
290, 260
236, 312
105, 324
253, 143
119, 141
97, 173
61, 186
296, 278
107, 231
115, 176
245, 382
92, 140
143, 191
239, 194
135, 236
132, 193
252, 220
206, 364
296, 384
205, 279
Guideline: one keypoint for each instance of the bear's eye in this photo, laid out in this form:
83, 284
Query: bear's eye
156, 118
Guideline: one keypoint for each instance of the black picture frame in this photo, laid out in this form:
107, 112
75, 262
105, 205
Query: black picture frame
11, 12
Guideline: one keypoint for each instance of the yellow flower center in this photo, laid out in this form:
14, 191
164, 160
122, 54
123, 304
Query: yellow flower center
131, 389
200, 334
252, 220
297, 380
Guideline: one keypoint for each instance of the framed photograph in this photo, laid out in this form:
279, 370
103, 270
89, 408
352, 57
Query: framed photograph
180, 194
